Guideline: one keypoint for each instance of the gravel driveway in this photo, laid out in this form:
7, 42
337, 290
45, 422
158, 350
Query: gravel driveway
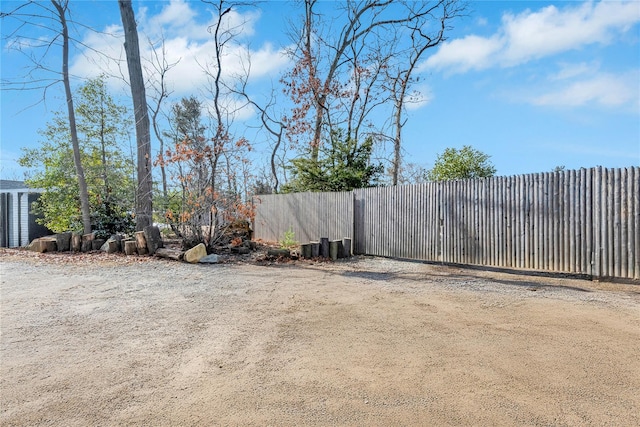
111, 340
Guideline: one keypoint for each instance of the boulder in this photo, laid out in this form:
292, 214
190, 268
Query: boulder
96, 244
63, 240
110, 246
196, 253
210, 259
153, 237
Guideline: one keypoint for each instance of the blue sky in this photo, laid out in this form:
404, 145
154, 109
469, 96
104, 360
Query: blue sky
533, 84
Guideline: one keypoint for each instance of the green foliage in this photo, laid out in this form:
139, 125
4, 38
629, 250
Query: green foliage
108, 219
466, 163
289, 239
102, 127
342, 165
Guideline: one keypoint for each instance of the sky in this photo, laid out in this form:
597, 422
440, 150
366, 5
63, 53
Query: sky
535, 85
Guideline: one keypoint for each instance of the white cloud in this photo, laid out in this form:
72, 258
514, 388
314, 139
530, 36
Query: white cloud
536, 34
187, 43
468, 53
604, 89
568, 70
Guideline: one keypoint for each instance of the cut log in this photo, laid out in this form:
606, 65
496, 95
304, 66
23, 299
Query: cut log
110, 246
306, 250
324, 247
174, 254
87, 240
76, 242
315, 249
130, 247
118, 238
346, 243
63, 240
286, 253
141, 243
43, 244
153, 237
334, 248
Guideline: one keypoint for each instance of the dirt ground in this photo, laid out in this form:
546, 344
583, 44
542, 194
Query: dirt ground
113, 340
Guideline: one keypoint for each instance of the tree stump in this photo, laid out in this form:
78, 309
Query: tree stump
87, 240
141, 243
324, 247
276, 253
76, 242
153, 237
315, 249
43, 244
174, 254
346, 243
306, 250
334, 248
130, 247
63, 240
110, 246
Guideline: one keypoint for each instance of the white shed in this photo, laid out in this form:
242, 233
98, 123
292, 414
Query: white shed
17, 224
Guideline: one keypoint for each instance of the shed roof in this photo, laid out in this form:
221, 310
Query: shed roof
6, 184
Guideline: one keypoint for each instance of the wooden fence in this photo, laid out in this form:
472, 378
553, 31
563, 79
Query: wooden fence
583, 221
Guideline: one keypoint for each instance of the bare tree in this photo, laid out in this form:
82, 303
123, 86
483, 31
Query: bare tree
59, 13
401, 75
342, 62
159, 67
144, 200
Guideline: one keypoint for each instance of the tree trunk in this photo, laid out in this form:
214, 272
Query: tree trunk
82, 184
397, 140
144, 203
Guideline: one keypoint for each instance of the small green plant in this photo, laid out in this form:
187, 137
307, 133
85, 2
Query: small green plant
289, 239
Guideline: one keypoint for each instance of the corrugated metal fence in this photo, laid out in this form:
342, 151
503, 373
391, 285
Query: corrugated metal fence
583, 221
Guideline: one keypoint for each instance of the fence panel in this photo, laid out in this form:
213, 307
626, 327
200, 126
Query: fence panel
309, 215
585, 221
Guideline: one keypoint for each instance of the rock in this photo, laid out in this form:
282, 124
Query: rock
76, 242
153, 237
96, 244
210, 259
196, 253
110, 246
63, 240
43, 244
